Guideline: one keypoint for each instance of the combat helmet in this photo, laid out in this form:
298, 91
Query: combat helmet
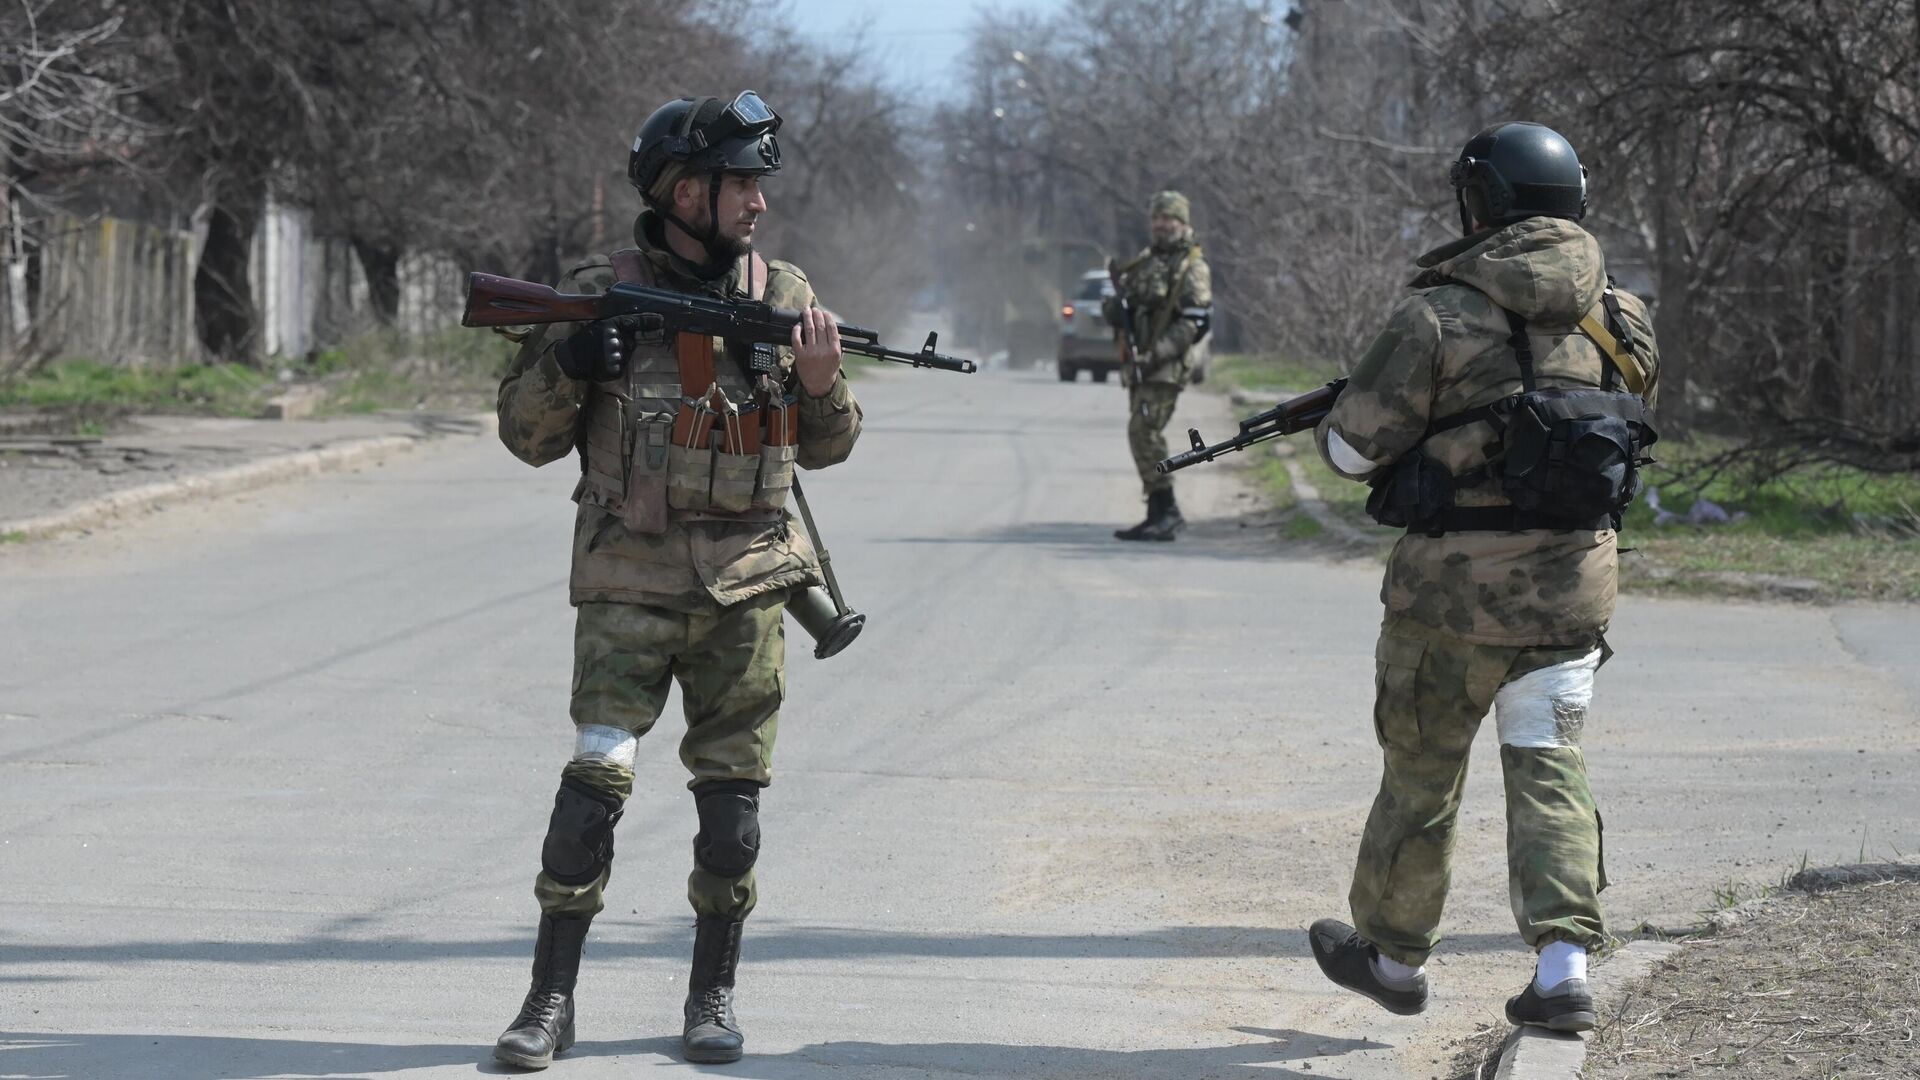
1518, 170
707, 135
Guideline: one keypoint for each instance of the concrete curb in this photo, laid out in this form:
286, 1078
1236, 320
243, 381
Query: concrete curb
1535, 1054
249, 476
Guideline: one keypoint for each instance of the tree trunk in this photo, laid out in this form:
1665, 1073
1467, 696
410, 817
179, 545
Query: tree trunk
224, 312
1673, 285
381, 263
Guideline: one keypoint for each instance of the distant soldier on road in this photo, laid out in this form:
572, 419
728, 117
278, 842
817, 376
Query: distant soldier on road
683, 553
1164, 305
1491, 418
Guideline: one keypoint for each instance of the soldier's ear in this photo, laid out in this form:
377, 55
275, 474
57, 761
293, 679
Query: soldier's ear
689, 193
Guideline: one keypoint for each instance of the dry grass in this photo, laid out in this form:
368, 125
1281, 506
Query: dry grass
1816, 986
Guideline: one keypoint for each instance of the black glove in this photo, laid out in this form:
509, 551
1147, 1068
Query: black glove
596, 351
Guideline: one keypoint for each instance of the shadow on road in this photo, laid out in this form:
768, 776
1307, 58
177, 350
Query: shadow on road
211, 1057
1254, 535
612, 940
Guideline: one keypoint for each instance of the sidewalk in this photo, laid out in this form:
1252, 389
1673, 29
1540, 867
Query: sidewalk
53, 483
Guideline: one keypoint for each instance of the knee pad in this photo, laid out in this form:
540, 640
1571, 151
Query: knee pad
729, 838
579, 844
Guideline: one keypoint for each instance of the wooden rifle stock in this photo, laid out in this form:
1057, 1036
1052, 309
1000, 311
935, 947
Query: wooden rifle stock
493, 300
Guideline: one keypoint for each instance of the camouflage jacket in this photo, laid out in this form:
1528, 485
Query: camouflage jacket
694, 566
1445, 350
1163, 283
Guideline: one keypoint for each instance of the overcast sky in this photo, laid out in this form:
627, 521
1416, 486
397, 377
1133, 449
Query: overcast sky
918, 45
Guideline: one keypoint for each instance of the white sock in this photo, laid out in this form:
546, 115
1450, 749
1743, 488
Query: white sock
1393, 970
1560, 961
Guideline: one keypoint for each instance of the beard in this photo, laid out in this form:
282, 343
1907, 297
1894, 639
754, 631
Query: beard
730, 248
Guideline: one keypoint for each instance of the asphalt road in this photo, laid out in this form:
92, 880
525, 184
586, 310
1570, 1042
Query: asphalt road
274, 773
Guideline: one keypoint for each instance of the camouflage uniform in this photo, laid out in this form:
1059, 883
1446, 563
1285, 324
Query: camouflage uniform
701, 602
1161, 282
1474, 618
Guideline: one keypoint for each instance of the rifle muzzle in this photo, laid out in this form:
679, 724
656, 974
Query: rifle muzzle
1189, 457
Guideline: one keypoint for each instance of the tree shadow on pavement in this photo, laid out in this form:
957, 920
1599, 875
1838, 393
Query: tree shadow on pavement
211, 1057
1233, 1061
1246, 537
613, 940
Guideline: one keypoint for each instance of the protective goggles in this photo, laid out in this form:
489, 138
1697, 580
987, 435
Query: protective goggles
746, 117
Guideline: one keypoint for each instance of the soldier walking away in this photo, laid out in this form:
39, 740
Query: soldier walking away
1500, 418
683, 554
1163, 302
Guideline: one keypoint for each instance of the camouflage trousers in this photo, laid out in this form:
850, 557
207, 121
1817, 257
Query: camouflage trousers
731, 669
1432, 691
1149, 410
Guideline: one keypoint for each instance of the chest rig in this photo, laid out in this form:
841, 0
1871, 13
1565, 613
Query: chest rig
1563, 458
689, 432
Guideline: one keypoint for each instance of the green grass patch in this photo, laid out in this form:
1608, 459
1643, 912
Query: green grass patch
90, 387
1302, 527
1257, 371
13, 538
1855, 533
454, 368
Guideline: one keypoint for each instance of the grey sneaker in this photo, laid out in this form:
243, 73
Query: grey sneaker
1347, 959
1568, 1006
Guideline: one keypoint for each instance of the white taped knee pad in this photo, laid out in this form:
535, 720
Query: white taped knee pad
1547, 708
604, 742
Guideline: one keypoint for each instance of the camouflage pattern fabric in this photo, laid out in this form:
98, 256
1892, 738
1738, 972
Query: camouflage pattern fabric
1432, 691
1159, 282
1445, 350
1171, 203
1149, 410
731, 670
692, 567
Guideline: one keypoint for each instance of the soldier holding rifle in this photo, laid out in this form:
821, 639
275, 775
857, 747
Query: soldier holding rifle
1162, 306
684, 555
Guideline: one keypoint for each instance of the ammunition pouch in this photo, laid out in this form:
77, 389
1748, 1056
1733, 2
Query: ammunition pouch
1412, 494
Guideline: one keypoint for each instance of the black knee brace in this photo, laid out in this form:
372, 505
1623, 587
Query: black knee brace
729, 838
579, 845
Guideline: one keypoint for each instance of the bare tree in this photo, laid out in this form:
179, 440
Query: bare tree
63, 82
1764, 155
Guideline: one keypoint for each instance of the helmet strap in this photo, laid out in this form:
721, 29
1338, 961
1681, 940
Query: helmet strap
1466, 217
716, 264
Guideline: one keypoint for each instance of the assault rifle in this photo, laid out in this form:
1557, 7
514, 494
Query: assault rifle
1123, 336
1291, 415
493, 300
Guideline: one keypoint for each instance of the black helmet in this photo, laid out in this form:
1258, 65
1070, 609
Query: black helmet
709, 136
1518, 170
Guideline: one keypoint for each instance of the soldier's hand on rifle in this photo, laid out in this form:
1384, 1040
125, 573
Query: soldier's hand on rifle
816, 351
597, 351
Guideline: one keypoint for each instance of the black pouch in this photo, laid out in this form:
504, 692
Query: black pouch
1413, 494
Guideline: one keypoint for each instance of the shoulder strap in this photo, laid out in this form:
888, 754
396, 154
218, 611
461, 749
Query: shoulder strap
1164, 316
753, 273
1522, 349
1618, 353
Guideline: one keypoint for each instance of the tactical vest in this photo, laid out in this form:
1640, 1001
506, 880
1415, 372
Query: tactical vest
1564, 458
689, 432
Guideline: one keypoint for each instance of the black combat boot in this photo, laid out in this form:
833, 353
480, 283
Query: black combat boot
545, 1024
1156, 506
1167, 523
712, 1036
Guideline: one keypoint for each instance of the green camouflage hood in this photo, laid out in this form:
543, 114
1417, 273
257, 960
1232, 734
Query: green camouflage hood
1543, 269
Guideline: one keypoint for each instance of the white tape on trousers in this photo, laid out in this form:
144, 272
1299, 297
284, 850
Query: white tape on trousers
604, 742
1547, 708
